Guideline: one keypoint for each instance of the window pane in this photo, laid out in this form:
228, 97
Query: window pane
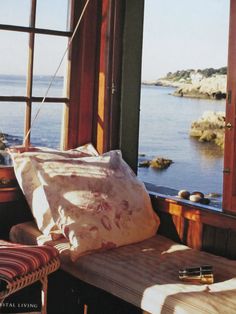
13, 63
52, 14
15, 12
48, 53
12, 122
46, 130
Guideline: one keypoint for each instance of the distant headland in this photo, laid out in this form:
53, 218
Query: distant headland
207, 83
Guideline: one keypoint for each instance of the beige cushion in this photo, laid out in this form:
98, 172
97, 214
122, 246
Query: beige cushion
145, 274
97, 202
30, 184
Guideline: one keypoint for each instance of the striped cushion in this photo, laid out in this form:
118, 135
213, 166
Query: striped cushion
145, 274
17, 260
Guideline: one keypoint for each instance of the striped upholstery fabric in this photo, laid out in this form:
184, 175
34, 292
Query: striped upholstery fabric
146, 275
18, 260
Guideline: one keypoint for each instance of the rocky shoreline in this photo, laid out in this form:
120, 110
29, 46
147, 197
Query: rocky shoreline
207, 88
208, 83
7, 140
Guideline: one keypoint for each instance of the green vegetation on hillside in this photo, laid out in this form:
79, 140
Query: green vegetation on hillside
186, 74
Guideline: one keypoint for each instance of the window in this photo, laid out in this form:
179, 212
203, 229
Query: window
88, 87
178, 39
34, 41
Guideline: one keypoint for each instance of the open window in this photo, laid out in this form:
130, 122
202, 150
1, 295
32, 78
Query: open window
161, 133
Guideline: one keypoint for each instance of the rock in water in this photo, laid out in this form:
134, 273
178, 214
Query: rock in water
209, 128
144, 164
160, 163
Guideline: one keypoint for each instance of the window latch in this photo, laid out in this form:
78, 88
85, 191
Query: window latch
113, 88
229, 126
226, 170
229, 96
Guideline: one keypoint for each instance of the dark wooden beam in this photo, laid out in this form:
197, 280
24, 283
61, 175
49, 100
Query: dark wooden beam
116, 65
33, 99
110, 64
34, 30
81, 76
49, 99
87, 67
131, 80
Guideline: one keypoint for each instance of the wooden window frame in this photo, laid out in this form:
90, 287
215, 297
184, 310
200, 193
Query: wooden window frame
229, 172
98, 100
32, 30
104, 78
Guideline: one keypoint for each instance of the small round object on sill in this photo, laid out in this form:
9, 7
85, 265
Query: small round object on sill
184, 194
205, 201
198, 193
195, 198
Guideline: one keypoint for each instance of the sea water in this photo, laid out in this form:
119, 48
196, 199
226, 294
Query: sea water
46, 129
165, 121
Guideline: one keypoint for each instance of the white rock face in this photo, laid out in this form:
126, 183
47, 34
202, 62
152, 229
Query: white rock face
196, 77
214, 84
205, 87
209, 128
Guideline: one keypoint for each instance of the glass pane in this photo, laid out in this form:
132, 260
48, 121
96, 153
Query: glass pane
52, 14
48, 53
13, 63
46, 130
15, 12
12, 122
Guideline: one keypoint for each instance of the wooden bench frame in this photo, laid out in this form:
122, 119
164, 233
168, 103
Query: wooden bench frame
182, 221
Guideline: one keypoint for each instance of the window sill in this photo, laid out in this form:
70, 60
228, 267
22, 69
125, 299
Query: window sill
196, 212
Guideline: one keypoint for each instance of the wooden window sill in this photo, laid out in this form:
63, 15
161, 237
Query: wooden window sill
197, 212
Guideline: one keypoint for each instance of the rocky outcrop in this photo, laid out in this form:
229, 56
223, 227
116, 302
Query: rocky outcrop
156, 163
209, 128
208, 83
168, 83
211, 87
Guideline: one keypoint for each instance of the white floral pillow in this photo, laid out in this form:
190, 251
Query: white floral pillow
97, 202
27, 176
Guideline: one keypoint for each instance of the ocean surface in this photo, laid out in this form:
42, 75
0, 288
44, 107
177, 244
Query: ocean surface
165, 122
46, 128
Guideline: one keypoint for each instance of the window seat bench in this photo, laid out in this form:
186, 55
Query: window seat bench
146, 274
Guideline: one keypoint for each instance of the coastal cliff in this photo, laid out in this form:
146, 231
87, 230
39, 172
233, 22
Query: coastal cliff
208, 83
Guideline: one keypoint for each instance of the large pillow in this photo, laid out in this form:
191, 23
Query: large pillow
27, 176
97, 202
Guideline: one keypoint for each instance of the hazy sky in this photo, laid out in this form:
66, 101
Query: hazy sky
13, 53
183, 34
178, 34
